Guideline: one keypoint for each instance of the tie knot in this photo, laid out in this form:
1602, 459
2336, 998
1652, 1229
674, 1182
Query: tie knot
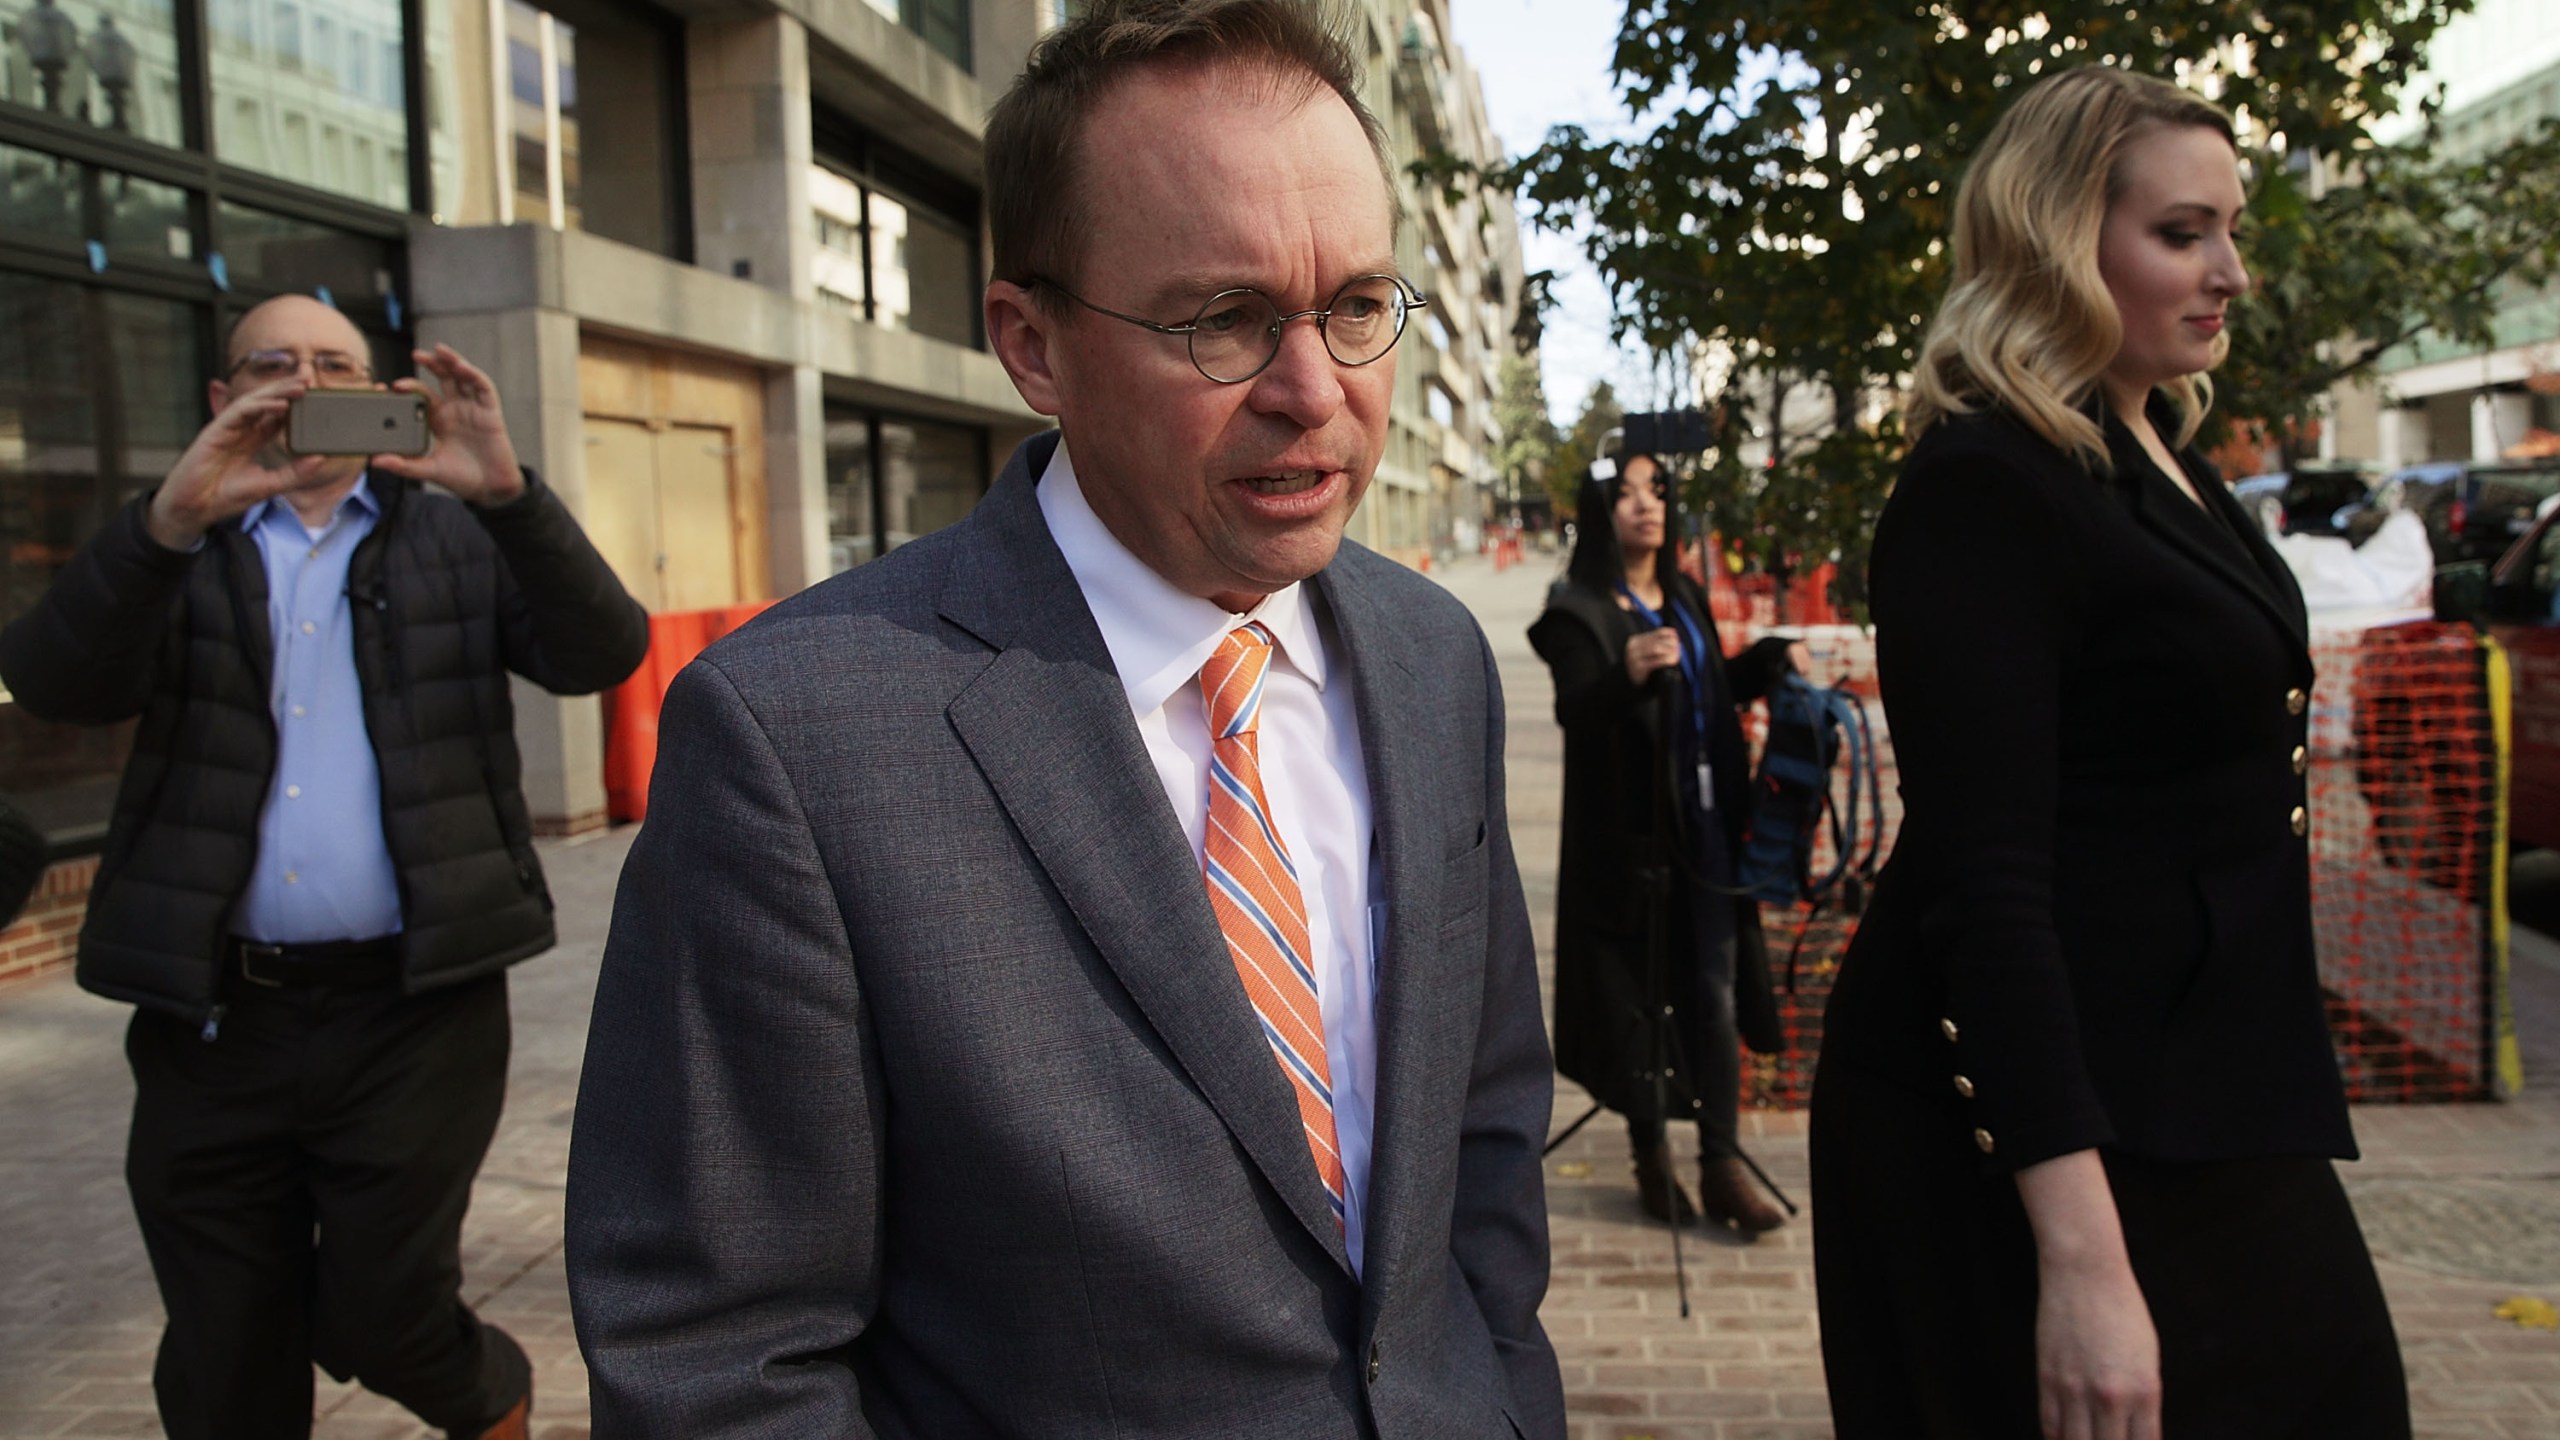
1232, 680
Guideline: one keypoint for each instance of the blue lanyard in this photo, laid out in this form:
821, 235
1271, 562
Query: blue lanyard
1693, 657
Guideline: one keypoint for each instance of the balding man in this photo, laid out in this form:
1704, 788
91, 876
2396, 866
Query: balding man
319, 868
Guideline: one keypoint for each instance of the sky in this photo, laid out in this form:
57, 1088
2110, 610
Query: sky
1546, 62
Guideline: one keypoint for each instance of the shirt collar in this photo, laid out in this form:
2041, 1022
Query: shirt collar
1158, 636
361, 496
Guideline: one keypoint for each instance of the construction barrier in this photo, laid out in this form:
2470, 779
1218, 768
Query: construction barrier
2408, 866
631, 708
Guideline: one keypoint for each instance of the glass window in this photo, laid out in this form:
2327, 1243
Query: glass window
944, 24
45, 198
144, 219
853, 532
295, 97
892, 479
924, 272
108, 63
837, 267
588, 122
897, 240
57, 487
40, 194
930, 476
276, 252
529, 101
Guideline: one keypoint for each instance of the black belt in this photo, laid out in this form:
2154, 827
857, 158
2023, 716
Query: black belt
327, 962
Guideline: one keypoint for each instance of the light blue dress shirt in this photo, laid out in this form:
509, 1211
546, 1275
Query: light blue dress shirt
324, 870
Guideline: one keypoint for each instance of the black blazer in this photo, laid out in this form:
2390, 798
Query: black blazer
2096, 926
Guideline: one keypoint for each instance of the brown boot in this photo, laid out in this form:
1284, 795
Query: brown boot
1660, 1194
1732, 1197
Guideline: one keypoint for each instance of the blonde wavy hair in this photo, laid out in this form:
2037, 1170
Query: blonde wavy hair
2028, 324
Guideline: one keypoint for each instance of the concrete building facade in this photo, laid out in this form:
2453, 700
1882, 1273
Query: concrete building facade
2432, 399
723, 257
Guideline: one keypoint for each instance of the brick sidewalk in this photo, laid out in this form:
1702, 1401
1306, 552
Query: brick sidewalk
2463, 1203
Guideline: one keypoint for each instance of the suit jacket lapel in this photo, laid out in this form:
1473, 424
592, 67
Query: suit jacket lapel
1049, 726
1419, 1086
2148, 500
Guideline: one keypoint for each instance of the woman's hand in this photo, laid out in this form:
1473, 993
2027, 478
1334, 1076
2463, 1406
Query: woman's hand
2097, 1355
1650, 651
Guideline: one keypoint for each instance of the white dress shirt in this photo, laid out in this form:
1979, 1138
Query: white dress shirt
1312, 775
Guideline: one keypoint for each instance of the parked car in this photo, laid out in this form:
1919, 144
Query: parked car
2524, 594
2313, 498
2474, 509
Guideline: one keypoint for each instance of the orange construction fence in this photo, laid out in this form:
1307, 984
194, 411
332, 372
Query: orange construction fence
2408, 862
631, 708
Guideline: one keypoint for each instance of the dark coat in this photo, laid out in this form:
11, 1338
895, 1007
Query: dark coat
1614, 774
2098, 912
449, 598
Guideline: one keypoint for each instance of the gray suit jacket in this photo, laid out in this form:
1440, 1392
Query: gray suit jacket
922, 1101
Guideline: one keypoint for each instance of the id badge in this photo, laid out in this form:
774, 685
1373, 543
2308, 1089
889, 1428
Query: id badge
1706, 786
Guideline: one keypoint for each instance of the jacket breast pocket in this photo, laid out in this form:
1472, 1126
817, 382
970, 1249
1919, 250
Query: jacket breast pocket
1463, 880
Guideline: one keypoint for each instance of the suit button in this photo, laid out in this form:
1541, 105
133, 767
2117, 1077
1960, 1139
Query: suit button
2301, 759
1964, 1087
1948, 1028
2296, 701
1373, 1362
2301, 820
1982, 1141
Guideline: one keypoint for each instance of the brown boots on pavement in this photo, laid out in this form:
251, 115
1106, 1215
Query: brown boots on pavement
1726, 1190
1732, 1197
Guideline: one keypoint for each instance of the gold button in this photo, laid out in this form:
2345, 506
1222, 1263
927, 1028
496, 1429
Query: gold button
1982, 1141
1948, 1028
2301, 758
1964, 1087
2295, 701
2301, 820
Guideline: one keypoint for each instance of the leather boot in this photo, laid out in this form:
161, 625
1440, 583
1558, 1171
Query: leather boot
1657, 1190
1732, 1197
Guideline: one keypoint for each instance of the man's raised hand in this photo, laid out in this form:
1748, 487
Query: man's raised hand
471, 456
233, 463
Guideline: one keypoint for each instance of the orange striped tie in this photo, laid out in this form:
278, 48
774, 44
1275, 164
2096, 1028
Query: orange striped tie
1254, 889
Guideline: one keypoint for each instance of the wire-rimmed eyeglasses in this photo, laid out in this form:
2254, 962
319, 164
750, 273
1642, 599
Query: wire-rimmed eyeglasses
332, 368
1236, 335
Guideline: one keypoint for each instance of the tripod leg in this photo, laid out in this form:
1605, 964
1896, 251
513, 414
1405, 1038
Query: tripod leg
1583, 1119
1763, 1177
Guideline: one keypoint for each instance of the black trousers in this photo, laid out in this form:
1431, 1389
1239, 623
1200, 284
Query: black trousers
2272, 1324
1707, 1041
300, 1180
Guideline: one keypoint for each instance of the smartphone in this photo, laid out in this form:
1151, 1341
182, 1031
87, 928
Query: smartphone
356, 422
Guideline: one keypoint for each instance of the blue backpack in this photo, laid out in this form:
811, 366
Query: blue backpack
1792, 798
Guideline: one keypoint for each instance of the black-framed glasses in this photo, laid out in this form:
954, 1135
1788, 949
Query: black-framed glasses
1236, 335
329, 367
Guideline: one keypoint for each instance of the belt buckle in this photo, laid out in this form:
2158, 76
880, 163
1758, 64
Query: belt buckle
248, 972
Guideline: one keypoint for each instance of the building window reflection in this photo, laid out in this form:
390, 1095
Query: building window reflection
297, 96
893, 478
112, 64
73, 450
589, 116
897, 240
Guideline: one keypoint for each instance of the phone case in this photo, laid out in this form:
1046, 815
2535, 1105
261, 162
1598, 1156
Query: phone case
357, 422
